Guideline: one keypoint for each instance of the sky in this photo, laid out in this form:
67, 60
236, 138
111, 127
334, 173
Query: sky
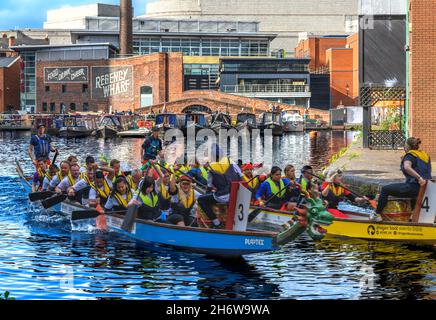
20, 14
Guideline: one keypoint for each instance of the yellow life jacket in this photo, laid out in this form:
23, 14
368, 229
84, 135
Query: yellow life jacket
222, 166
71, 180
121, 201
48, 176
41, 174
253, 183
164, 192
60, 176
275, 189
131, 183
106, 190
185, 200
337, 191
204, 173
149, 200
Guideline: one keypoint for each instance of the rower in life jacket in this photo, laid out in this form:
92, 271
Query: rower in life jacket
221, 175
120, 196
253, 182
52, 171
61, 175
198, 172
295, 191
334, 193
80, 190
183, 202
416, 167
100, 190
278, 186
134, 179
70, 180
38, 177
147, 200
308, 184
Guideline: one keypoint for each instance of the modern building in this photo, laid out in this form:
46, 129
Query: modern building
9, 83
287, 18
279, 80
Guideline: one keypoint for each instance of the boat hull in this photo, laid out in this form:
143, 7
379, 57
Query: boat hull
139, 133
107, 132
293, 127
208, 241
74, 132
277, 130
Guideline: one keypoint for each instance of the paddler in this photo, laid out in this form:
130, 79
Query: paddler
308, 183
70, 180
134, 178
116, 166
147, 199
52, 171
38, 177
272, 186
333, 192
101, 190
63, 173
89, 163
248, 176
120, 196
183, 202
198, 172
294, 193
221, 175
416, 167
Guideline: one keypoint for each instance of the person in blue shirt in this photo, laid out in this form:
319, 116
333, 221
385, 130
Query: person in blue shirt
272, 186
40, 146
152, 145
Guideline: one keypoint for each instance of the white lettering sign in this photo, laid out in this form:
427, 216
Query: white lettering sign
241, 210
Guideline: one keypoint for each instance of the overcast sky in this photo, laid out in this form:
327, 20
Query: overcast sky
32, 13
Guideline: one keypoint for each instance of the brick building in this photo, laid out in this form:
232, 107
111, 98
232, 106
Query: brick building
422, 71
337, 56
87, 77
9, 83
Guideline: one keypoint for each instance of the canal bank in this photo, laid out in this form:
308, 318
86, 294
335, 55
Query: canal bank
369, 170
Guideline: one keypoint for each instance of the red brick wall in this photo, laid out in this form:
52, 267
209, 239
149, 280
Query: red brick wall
10, 87
340, 62
422, 74
148, 70
353, 43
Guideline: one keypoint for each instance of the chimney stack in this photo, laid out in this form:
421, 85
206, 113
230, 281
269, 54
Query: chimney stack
126, 27
11, 41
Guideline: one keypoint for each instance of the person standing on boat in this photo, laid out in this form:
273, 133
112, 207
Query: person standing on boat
63, 173
416, 167
183, 202
221, 175
333, 192
152, 145
40, 146
272, 186
147, 199
120, 196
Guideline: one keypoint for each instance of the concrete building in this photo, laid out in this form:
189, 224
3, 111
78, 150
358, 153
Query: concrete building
9, 83
287, 18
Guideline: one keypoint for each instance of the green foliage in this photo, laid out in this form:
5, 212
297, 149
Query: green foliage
392, 120
5, 296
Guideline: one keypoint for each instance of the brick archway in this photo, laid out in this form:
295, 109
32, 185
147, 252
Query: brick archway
197, 108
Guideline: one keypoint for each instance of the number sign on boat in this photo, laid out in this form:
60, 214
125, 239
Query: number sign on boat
428, 204
241, 209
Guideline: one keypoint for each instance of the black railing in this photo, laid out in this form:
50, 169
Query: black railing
386, 140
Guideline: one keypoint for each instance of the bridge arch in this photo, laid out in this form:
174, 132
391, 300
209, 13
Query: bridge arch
196, 108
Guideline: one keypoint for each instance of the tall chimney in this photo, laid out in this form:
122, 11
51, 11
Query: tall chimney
126, 29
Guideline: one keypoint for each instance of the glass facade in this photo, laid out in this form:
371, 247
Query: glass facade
28, 88
200, 76
202, 47
264, 66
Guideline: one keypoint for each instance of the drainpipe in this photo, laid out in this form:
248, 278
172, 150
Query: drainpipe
407, 102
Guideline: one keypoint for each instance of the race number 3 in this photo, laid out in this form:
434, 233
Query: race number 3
241, 209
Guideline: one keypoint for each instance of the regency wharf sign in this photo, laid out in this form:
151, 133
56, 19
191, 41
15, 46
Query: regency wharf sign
114, 81
66, 74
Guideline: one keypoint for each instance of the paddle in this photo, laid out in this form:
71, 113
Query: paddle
373, 203
54, 158
56, 199
255, 212
184, 174
84, 214
35, 196
129, 218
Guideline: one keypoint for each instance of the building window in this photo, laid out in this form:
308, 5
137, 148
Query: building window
44, 106
146, 96
84, 88
52, 107
72, 106
85, 106
63, 108
47, 88
64, 88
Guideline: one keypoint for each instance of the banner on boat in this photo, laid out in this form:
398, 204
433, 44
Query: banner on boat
110, 82
66, 74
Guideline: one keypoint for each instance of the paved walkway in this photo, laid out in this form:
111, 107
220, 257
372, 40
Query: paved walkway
368, 170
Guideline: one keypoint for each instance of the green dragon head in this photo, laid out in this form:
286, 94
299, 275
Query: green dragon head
317, 216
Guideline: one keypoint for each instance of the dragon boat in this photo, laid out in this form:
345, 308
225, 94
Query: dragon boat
400, 222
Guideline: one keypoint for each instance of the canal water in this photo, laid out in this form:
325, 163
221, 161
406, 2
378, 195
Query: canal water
42, 258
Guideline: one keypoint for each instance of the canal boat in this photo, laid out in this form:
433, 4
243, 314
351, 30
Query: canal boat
272, 120
292, 122
135, 133
194, 120
246, 120
51, 122
109, 126
76, 126
14, 122
220, 121
167, 121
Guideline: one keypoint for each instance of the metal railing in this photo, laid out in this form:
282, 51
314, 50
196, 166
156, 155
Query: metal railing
266, 88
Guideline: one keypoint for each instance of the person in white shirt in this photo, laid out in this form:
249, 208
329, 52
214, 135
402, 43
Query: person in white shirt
52, 171
63, 173
70, 180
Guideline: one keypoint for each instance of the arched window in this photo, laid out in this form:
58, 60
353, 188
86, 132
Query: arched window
146, 96
72, 106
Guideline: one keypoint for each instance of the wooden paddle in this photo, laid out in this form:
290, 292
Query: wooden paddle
56, 199
129, 218
373, 203
186, 175
84, 214
255, 212
35, 196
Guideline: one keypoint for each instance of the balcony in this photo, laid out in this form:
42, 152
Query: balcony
269, 90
